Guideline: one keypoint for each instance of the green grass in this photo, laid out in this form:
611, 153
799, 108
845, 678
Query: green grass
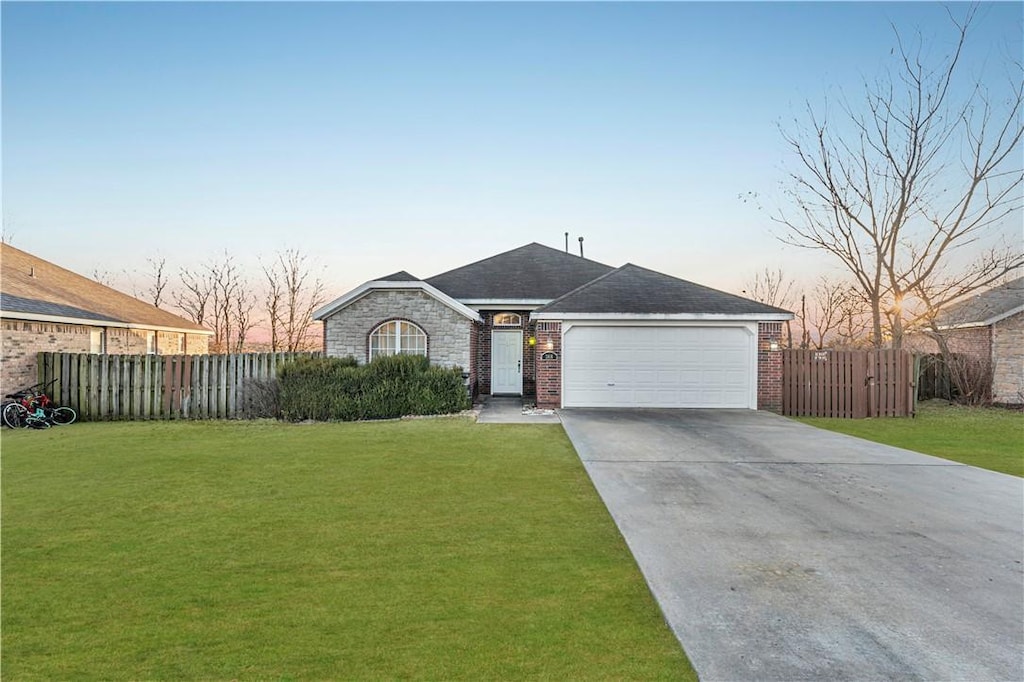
990, 438
423, 549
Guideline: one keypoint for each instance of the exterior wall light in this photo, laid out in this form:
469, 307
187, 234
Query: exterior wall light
774, 345
533, 341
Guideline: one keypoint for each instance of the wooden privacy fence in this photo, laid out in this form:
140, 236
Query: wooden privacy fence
158, 386
848, 384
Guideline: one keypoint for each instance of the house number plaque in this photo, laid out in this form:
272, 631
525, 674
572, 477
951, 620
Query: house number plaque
549, 355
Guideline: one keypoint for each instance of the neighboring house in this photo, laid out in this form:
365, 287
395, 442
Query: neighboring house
990, 325
571, 332
44, 307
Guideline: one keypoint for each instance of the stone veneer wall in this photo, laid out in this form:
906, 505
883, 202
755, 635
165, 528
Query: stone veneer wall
347, 331
1008, 360
769, 366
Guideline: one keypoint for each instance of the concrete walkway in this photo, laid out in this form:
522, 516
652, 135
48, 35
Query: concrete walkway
511, 411
778, 551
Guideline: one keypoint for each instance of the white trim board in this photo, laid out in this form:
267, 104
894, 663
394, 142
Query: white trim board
88, 322
627, 318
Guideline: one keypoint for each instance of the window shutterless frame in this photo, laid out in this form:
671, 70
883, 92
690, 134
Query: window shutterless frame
397, 337
507, 320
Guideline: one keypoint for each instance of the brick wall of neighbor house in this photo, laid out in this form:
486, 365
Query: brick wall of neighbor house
126, 341
769, 367
21, 341
1008, 360
973, 341
549, 372
483, 347
347, 331
197, 344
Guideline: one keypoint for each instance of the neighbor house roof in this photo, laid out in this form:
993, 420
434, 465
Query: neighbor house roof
988, 307
36, 289
532, 273
631, 291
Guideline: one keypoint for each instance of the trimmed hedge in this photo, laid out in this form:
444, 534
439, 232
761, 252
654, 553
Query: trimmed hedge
325, 389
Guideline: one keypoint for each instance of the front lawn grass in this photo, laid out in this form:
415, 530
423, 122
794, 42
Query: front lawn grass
422, 549
990, 438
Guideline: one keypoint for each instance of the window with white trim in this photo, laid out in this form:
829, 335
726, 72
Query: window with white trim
398, 337
507, 320
97, 341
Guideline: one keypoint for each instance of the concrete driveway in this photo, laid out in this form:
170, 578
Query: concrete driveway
782, 552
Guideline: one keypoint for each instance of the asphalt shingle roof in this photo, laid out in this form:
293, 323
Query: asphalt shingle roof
400, 276
40, 283
631, 289
532, 272
16, 304
993, 303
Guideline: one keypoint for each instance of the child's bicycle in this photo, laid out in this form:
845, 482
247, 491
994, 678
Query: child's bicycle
32, 408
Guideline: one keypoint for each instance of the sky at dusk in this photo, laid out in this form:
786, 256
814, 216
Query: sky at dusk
378, 137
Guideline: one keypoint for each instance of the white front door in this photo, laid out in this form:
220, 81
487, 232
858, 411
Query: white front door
507, 362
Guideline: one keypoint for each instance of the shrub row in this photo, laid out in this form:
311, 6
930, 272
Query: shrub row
392, 386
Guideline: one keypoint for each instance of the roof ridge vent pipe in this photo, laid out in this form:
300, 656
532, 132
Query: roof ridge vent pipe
567, 242
581, 247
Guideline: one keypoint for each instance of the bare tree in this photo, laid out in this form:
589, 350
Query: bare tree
273, 302
194, 298
216, 295
231, 304
906, 181
155, 281
104, 277
293, 293
772, 287
157, 276
244, 305
834, 305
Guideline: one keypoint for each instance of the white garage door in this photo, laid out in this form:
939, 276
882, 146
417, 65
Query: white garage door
658, 367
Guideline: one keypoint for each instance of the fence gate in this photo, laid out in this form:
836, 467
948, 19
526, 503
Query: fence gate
847, 384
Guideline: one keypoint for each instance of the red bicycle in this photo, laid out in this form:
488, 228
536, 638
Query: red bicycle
32, 408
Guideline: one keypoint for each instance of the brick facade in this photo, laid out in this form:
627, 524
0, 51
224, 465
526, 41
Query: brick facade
549, 371
1008, 360
1003, 342
483, 350
449, 334
21, 341
769, 366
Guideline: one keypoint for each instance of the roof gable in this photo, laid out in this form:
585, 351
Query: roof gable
365, 288
34, 286
400, 276
985, 308
531, 272
633, 290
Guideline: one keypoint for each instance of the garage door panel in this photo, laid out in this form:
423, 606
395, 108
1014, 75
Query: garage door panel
657, 367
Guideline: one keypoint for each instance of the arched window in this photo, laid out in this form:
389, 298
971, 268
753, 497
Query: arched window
397, 336
507, 320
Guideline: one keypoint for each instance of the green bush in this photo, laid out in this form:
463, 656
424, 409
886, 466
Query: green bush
325, 389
